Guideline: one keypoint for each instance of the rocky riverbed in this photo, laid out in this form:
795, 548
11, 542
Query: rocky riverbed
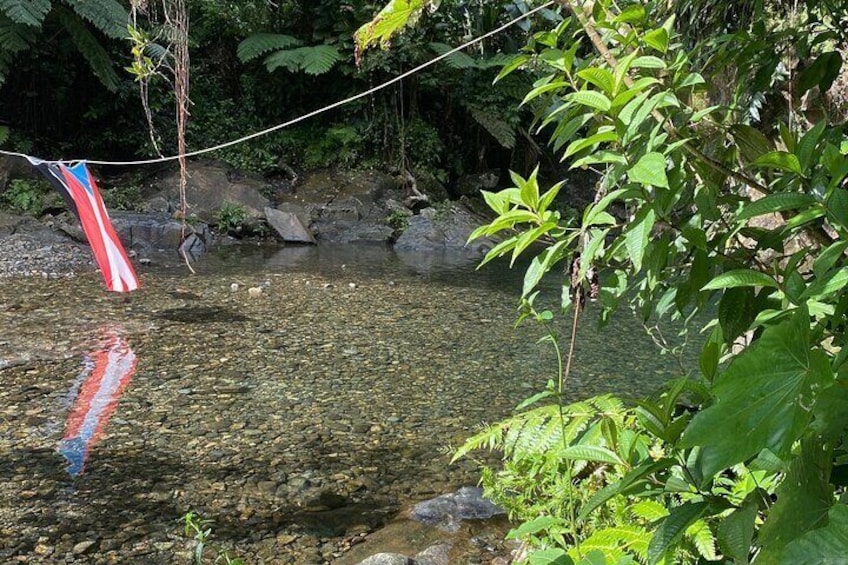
302, 398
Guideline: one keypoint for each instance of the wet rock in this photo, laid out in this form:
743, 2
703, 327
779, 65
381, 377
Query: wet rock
471, 185
149, 232
289, 226
209, 188
83, 547
388, 559
447, 511
445, 227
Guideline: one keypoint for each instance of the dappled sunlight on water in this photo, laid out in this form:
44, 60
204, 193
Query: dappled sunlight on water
333, 389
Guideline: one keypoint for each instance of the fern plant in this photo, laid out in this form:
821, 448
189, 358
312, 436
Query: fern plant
21, 22
288, 52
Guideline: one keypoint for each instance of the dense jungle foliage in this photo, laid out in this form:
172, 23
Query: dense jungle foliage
718, 134
67, 91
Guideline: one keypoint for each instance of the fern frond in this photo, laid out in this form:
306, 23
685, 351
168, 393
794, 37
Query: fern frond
319, 59
617, 542
109, 16
458, 60
259, 44
15, 37
89, 47
313, 60
649, 510
4, 134
703, 539
499, 129
27, 12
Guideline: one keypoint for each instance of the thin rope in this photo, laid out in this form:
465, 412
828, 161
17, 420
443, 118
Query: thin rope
310, 114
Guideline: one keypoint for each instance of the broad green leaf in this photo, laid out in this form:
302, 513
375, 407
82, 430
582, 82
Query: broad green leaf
751, 142
807, 145
590, 453
827, 259
516, 62
673, 527
533, 526
549, 196
648, 62
592, 99
803, 499
823, 545
496, 201
740, 277
691, 79
599, 157
657, 39
827, 285
638, 236
837, 207
779, 160
701, 114
396, 15
543, 89
633, 478
821, 73
736, 312
529, 190
549, 557
632, 14
580, 144
736, 531
776, 202
592, 250
763, 400
649, 170
601, 78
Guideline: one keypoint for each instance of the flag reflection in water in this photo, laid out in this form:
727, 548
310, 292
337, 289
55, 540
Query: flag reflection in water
107, 373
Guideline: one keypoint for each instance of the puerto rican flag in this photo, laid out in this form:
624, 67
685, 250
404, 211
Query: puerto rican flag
77, 187
97, 392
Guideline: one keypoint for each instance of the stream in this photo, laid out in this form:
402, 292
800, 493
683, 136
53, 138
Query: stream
300, 416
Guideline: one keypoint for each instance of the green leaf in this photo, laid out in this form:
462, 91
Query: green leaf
549, 557
824, 545
779, 160
736, 531
763, 400
648, 62
657, 39
638, 235
807, 146
803, 499
390, 20
258, 44
828, 258
632, 14
27, 12
751, 142
502, 131
670, 532
740, 277
601, 78
827, 285
591, 453
632, 478
543, 89
776, 202
313, 60
534, 526
580, 144
649, 170
821, 73
592, 99
736, 312
516, 62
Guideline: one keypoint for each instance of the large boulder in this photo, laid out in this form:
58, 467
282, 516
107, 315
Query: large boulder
449, 510
445, 227
344, 206
158, 232
289, 226
208, 189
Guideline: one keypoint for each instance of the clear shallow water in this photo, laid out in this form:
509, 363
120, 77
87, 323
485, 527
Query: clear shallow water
310, 412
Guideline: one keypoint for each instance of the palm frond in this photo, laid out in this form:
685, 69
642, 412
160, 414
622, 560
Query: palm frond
313, 60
